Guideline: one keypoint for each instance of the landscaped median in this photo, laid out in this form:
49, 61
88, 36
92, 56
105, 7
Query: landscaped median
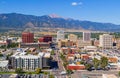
20, 71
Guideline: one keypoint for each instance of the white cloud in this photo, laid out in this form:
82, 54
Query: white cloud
76, 3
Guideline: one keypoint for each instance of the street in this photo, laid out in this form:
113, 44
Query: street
92, 74
57, 72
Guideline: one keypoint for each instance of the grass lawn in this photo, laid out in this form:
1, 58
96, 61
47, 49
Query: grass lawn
23, 73
7, 73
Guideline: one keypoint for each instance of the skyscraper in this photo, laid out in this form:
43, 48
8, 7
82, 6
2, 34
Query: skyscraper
86, 36
60, 35
27, 37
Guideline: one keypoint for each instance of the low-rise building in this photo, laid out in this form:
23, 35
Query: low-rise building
81, 43
84, 56
68, 50
109, 76
90, 48
43, 45
4, 64
46, 38
113, 59
3, 43
66, 43
75, 67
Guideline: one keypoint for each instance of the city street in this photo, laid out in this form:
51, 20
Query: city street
57, 72
92, 74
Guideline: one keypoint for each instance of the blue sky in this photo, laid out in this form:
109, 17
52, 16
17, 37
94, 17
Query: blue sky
92, 10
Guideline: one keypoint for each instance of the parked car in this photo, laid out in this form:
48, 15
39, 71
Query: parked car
63, 73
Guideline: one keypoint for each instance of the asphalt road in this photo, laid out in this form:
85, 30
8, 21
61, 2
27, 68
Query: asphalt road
57, 72
93, 74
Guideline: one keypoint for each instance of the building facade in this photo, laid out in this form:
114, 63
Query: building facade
105, 41
46, 38
60, 35
27, 37
29, 62
86, 36
66, 43
72, 37
81, 43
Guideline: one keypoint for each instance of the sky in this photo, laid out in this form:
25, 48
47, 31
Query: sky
106, 11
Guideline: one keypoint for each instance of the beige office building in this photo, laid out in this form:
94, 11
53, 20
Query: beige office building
105, 41
81, 43
72, 37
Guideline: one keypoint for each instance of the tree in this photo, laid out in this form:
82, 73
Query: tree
82, 62
29, 72
38, 70
96, 63
12, 45
119, 74
88, 66
19, 70
104, 62
62, 57
1, 55
65, 64
52, 52
51, 76
46, 73
69, 72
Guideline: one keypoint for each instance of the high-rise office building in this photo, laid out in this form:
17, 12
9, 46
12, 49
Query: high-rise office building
60, 35
105, 41
86, 36
27, 37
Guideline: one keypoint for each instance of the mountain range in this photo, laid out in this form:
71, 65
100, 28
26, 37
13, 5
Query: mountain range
16, 20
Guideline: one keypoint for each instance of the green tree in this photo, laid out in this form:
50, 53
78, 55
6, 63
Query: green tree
104, 62
1, 55
29, 72
119, 74
38, 71
40, 48
82, 62
12, 45
19, 70
88, 66
69, 72
65, 64
96, 63
52, 52
51, 76
8, 56
46, 73
62, 57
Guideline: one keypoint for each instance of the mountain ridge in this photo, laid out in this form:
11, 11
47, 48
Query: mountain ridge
17, 20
